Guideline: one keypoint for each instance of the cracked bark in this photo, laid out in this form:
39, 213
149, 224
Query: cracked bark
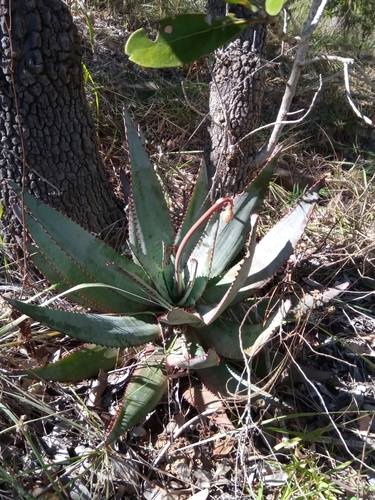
47, 135
236, 94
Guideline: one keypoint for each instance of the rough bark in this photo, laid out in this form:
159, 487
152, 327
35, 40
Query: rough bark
236, 94
47, 135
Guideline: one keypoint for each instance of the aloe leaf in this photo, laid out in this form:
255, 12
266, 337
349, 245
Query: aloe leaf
242, 273
225, 381
69, 274
198, 360
230, 294
310, 301
231, 236
132, 232
147, 385
182, 39
111, 331
195, 285
270, 254
151, 214
256, 309
193, 292
203, 252
223, 335
222, 240
154, 272
190, 273
169, 273
154, 295
199, 204
177, 316
188, 353
279, 244
269, 328
83, 363
82, 249
53, 276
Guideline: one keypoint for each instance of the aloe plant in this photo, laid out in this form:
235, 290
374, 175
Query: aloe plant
192, 278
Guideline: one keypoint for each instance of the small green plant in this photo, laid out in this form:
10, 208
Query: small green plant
193, 279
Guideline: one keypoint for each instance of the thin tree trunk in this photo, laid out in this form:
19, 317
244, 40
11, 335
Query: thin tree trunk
47, 135
236, 94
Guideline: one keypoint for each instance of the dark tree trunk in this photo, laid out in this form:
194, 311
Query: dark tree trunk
236, 94
47, 135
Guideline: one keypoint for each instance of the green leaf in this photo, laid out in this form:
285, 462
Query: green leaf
154, 296
154, 272
279, 244
53, 276
147, 385
132, 232
310, 301
84, 254
273, 7
242, 272
151, 215
232, 236
270, 254
198, 205
222, 241
200, 359
85, 362
188, 353
183, 39
69, 274
203, 252
99, 329
178, 316
193, 291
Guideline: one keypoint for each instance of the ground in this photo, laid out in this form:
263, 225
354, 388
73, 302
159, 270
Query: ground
319, 441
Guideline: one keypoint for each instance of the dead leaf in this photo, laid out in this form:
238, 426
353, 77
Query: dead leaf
364, 422
203, 400
223, 448
201, 495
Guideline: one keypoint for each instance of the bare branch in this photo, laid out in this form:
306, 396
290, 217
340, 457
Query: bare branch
315, 13
347, 62
350, 98
343, 60
287, 122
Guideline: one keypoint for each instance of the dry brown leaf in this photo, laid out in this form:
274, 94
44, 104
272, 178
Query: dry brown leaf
223, 448
364, 422
201, 495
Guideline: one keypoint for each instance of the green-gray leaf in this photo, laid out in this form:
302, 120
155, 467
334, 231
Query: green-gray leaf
148, 202
99, 329
147, 385
80, 364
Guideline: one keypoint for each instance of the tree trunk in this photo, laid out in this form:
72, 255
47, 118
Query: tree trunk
47, 135
236, 94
